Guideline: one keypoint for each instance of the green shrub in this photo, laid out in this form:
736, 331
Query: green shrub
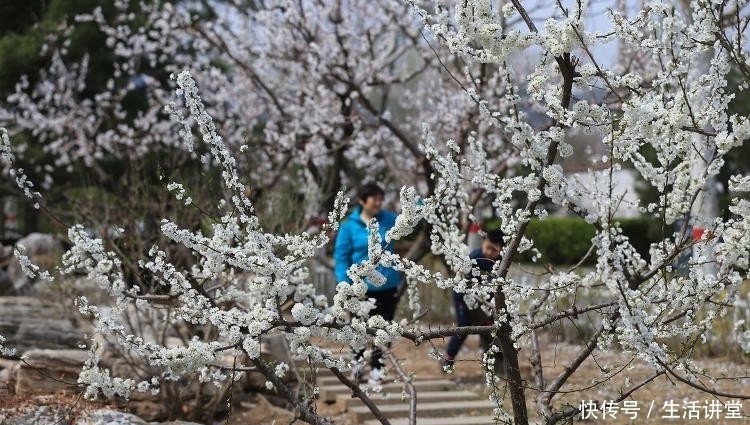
566, 240
561, 240
642, 232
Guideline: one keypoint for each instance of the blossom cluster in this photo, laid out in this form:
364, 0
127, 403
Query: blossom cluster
323, 113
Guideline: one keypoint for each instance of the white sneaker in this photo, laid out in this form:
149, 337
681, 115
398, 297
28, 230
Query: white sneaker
376, 377
358, 372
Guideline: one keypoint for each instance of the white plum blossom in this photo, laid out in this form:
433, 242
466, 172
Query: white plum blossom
315, 81
28, 267
4, 350
306, 315
411, 214
281, 369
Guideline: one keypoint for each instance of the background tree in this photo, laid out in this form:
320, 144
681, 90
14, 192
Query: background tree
242, 274
317, 105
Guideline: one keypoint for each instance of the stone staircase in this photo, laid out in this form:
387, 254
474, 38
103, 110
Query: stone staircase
440, 402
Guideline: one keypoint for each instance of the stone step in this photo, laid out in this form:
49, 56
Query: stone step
336, 355
455, 420
346, 402
360, 414
328, 393
321, 372
305, 368
304, 363
329, 380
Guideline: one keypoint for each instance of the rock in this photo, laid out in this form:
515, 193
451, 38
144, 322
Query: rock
39, 415
43, 250
76, 286
27, 323
110, 417
6, 364
6, 285
5, 389
17, 308
114, 417
57, 414
149, 410
273, 350
8, 372
57, 336
48, 371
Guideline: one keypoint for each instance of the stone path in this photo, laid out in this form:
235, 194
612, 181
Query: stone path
440, 402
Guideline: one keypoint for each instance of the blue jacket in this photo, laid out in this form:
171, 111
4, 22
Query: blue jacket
351, 247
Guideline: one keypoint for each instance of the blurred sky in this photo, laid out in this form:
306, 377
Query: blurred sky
596, 20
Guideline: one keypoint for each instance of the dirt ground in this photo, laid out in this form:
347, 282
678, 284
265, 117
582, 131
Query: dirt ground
662, 401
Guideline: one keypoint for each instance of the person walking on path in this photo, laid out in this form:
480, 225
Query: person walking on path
485, 258
351, 248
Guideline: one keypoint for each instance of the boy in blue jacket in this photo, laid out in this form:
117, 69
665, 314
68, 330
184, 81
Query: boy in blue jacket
351, 248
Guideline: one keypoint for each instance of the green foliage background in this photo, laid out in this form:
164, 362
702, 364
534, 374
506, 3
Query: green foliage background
566, 240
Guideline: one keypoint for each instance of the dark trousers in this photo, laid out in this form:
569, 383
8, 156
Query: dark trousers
385, 306
463, 318
466, 317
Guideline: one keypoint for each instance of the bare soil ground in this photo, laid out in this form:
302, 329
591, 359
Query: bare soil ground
653, 401
662, 401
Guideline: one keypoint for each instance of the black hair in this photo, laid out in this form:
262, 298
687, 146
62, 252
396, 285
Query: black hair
495, 236
368, 190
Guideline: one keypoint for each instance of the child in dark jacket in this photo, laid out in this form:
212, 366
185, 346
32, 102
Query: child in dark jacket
485, 258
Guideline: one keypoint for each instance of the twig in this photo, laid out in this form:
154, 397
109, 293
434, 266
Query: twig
536, 357
418, 337
571, 312
407, 380
304, 411
700, 387
361, 395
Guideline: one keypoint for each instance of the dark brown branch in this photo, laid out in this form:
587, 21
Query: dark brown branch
361, 395
507, 344
582, 355
697, 130
701, 387
418, 337
635, 388
304, 411
569, 413
571, 312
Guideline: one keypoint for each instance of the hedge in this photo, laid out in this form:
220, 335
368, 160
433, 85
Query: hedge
565, 240
642, 232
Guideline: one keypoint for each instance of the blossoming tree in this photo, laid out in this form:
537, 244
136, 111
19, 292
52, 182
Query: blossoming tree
321, 92
243, 274
305, 101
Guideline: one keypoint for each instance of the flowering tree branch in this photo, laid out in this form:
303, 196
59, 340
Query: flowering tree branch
316, 96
